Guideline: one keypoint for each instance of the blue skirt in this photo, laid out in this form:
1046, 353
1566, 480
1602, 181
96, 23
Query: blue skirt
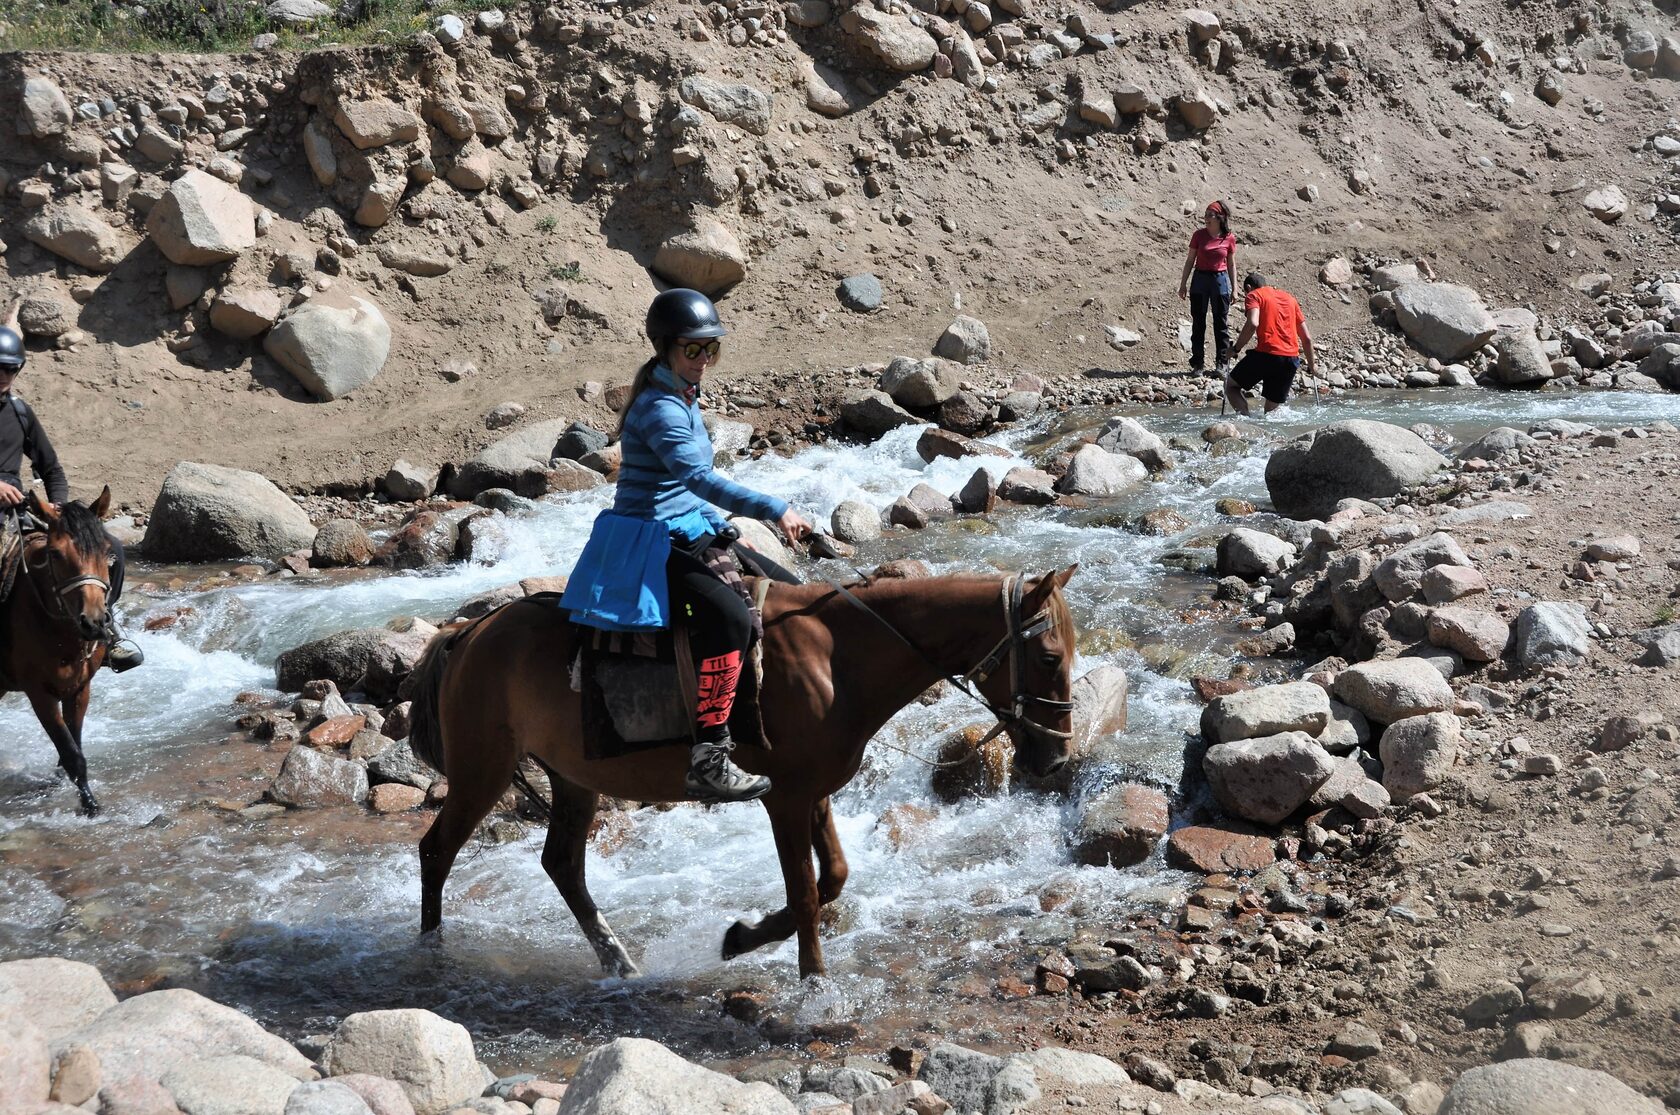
619, 582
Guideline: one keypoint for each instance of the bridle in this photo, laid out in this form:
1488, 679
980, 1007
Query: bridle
1012, 648
55, 603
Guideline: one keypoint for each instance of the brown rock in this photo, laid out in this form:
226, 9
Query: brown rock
1121, 826
76, 1076
1224, 846
394, 797
330, 735
1209, 689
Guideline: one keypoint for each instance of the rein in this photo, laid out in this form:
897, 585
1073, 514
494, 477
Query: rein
54, 605
1017, 633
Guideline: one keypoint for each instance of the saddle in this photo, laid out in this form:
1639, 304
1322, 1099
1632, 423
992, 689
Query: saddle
639, 689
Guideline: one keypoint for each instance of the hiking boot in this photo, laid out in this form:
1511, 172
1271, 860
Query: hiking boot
120, 654
712, 777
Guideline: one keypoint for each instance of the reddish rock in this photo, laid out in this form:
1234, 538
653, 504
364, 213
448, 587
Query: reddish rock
394, 797
935, 443
1209, 689
330, 735
1224, 846
1121, 826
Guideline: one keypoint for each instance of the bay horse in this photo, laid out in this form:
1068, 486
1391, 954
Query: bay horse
839, 661
52, 624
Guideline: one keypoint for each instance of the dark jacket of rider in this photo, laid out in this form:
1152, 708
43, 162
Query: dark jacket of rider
20, 435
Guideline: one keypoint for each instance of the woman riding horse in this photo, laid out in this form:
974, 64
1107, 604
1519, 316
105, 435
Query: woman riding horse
663, 550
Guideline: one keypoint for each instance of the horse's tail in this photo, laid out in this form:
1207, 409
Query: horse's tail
424, 688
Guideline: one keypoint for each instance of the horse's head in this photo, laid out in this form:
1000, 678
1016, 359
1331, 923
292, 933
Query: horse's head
74, 568
1035, 681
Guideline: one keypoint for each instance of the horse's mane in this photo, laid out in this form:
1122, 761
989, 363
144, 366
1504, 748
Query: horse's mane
86, 532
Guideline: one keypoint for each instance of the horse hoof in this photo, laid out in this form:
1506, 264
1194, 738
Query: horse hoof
734, 943
90, 806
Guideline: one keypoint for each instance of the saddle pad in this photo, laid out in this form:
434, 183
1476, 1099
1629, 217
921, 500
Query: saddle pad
643, 698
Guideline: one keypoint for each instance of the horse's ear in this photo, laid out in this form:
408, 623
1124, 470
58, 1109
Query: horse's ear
1065, 575
103, 503
41, 509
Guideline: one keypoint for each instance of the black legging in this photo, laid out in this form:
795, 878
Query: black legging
119, 571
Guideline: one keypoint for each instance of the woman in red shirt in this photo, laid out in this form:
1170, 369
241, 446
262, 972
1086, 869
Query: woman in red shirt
1206, 281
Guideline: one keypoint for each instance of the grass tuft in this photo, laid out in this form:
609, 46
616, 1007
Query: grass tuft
192, 26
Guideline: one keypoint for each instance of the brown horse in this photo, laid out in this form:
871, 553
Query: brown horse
53, 622
838, 663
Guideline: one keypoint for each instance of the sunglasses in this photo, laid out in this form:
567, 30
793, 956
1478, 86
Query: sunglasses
693, 349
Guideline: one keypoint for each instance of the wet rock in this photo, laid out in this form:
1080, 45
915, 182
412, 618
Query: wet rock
341, 542
230, 1084
921, 383
1131, 437
150, 1034
1444, 321
1098, 473
332, 344
633, 1076
966, 340
209, 513
25, 1063
872, 413
1220, 847
394, 797
1418, 752
1389, 691
202, 220
57, 996
708, 258
855, 522
1027, 486
1266, 711
399, 765
430, 1057
1161, 521
1121, 826
1477, 636
1100, 703
1308, 476
1266, 779
311, 779
1534, 1086
977, 495
1400, 575
78, 235
1551, 633
1252, 554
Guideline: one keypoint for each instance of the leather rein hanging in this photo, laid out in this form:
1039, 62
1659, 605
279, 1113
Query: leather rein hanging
1012, 647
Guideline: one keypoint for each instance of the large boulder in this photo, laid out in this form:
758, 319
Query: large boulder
966, 340
1536, 1086
1393, 689
58, 996
228, 1084
202, 220
1266, 779
1356, 459
634, 1076
1121, 826
332, 344
78, 235
1094, 471
150, 1034
894, 41
311, 779
707, 258
745, 106
1298, 706
1417, 753
25, 1062
514, 462
374, 660
1444, 321
1100, 703
211, 513
1129, 436
921, 383
1552, 633
872, 413
431, 1057
1521, 358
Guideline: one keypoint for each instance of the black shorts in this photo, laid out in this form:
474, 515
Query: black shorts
1277, 372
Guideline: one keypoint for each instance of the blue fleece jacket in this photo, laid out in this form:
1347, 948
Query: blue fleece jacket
666, 472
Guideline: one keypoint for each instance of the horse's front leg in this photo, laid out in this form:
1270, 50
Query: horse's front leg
831, 858
791, 825
56, 718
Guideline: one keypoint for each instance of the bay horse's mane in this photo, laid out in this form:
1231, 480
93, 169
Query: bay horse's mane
86, 532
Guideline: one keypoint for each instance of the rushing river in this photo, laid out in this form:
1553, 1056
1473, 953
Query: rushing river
304, 918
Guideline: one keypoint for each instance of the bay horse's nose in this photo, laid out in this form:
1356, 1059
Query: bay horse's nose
89, 629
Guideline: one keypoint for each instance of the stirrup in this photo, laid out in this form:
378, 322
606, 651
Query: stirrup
121, 654
713, 777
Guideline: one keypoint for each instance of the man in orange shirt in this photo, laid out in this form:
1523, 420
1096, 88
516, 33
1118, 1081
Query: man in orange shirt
1274, 317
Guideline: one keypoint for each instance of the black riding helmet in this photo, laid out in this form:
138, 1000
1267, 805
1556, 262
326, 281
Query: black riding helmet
12, 353
680, 312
